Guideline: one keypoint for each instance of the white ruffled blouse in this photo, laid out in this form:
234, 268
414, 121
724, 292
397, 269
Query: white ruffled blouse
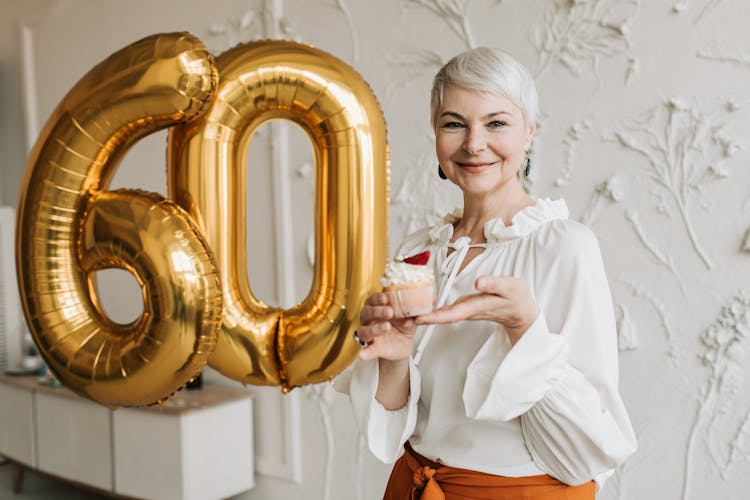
550, 404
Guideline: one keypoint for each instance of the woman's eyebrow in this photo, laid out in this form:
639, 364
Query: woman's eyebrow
453, 114
492, 115
485, 117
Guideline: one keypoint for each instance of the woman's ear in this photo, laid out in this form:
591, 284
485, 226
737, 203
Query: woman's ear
530, 136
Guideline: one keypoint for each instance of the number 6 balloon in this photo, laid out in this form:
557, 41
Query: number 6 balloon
69, 226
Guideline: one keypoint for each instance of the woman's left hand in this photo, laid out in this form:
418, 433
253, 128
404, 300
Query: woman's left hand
502, 299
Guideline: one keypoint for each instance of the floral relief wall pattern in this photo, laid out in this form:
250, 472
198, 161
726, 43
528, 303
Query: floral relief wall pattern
655, 163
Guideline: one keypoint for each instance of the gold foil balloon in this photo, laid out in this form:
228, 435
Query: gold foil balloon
70, 226
260, 81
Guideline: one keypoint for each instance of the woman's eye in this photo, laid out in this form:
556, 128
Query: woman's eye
496, 124
452, 125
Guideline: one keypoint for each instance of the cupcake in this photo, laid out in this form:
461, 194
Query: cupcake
409, 285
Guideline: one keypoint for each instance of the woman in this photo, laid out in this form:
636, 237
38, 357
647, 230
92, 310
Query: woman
508, 389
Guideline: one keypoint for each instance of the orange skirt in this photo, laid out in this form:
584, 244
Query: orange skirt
416, 477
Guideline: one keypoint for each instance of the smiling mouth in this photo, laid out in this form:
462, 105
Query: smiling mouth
474, 165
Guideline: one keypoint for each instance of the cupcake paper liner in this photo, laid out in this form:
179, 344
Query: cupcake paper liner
410, 301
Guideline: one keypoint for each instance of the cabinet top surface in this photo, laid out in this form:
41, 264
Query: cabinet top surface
180, 402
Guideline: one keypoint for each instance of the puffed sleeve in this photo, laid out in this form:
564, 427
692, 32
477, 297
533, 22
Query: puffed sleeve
385, 431
561, 377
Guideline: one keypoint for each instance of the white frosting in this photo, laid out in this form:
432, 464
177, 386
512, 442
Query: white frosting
401, 273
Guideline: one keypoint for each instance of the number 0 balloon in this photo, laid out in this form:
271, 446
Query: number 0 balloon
258, 82
70, 225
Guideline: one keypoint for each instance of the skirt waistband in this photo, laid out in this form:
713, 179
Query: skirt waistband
434, 481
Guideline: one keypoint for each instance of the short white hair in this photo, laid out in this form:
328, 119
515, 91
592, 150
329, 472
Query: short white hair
491, 70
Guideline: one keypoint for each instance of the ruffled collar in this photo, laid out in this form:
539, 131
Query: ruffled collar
495, 230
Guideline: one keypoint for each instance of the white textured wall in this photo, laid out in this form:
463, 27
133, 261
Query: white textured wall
646, 118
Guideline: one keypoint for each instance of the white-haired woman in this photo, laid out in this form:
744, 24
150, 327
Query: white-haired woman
509, 388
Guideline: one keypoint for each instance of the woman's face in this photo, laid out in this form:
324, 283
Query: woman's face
481, 140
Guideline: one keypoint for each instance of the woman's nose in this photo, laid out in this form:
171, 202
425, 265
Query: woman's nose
474, 142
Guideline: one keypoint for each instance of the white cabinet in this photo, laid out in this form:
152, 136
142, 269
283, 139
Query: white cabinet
17, 424
199, 454
198, 445
73, 439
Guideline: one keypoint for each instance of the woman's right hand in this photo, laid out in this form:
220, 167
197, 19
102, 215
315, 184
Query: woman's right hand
388, 337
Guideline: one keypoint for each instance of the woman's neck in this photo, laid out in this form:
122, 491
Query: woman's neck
477, 212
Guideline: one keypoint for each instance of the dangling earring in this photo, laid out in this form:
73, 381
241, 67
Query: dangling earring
441, 173
526, 165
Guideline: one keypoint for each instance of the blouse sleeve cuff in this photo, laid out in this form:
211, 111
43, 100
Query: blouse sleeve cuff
503, 386
593, 443
384, 430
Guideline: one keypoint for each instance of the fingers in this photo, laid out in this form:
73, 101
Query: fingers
497, 285
372, 331
371, 314
394, 345
477, 306
368, 332
377, 299
376, 308
404, 325
369, 352
377, 349
521, 303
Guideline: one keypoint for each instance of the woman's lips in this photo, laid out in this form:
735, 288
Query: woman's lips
474, 166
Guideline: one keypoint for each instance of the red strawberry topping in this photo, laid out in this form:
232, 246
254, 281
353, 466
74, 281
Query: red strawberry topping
420, 259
